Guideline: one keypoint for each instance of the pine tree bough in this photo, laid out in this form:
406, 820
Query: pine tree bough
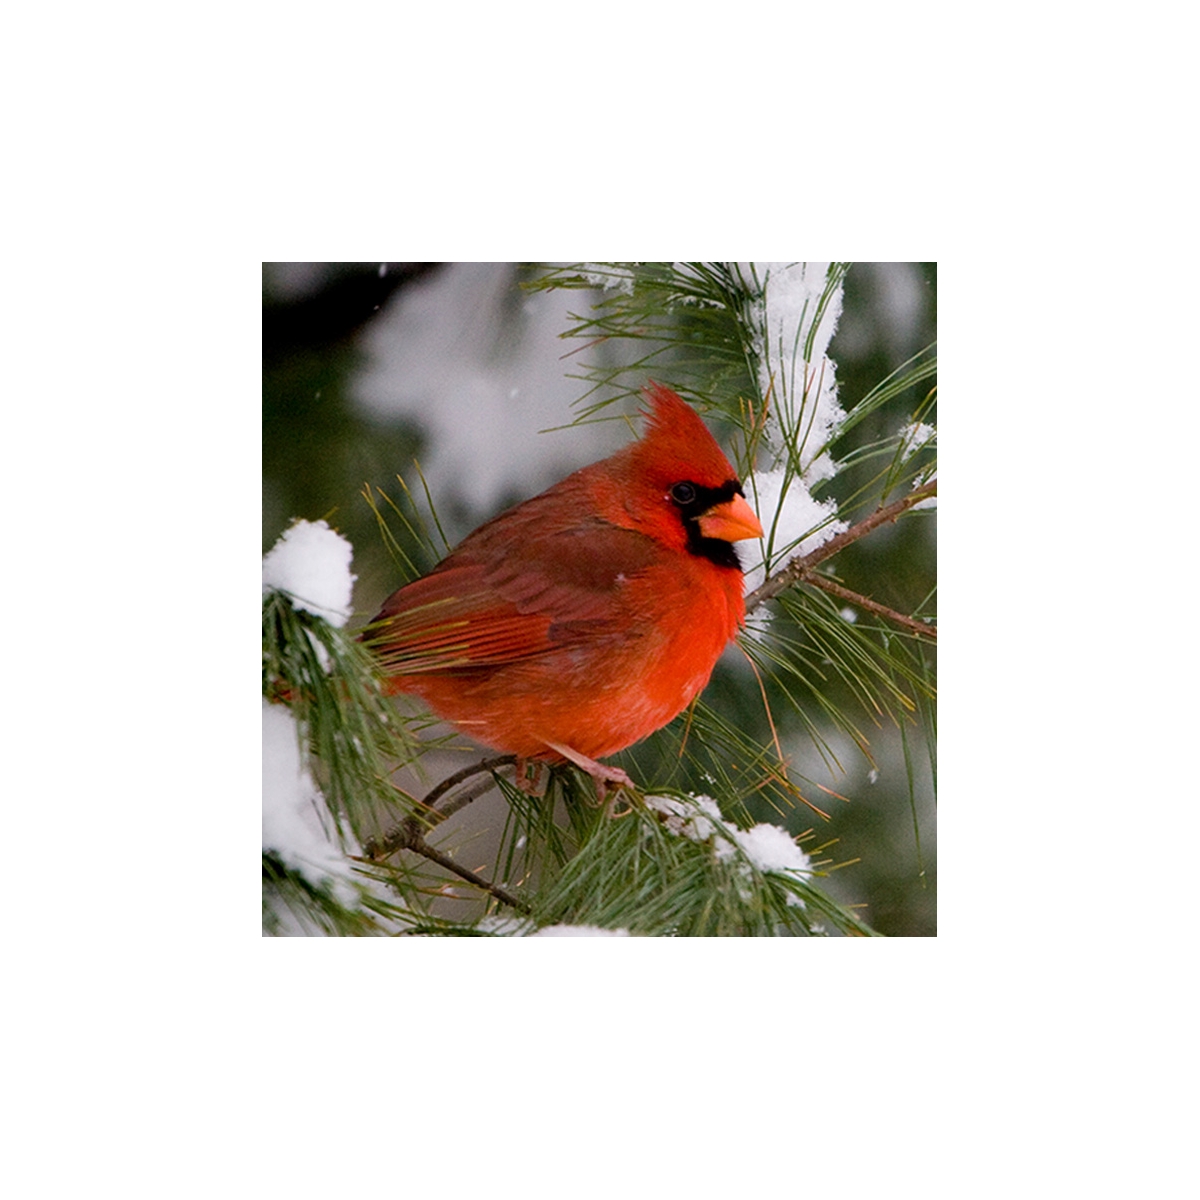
802, 570
410, 835
423, 848
918, 628
407, 835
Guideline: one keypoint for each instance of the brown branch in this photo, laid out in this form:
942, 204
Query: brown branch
401, 836
420, 846
410, 834
835, 589
801, 570
452, 781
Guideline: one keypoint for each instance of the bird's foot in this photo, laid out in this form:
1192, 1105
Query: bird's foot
606, 777
529, 776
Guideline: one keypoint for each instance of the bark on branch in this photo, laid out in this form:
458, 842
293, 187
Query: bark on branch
410, 834
803, 569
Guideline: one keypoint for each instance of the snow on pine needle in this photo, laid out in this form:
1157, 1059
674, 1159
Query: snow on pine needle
793, 309
310, 563
766, 847
296, 824
329, 738
916, 435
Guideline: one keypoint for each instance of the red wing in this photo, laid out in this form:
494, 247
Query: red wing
502, 597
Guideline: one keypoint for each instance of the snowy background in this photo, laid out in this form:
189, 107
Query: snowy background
368, 366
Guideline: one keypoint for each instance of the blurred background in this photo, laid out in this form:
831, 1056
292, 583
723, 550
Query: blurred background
370, 366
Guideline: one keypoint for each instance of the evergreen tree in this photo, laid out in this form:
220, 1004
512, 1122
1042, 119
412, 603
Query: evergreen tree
368, 831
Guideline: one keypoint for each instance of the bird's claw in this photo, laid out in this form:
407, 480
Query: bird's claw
529, 776
606, 778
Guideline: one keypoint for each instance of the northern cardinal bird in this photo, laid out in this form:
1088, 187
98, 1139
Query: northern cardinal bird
581, 621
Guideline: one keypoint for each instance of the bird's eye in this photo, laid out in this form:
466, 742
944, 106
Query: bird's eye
683, 493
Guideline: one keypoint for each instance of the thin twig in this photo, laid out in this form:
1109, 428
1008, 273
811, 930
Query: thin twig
402, 836
800, 570
835, 589
452, 781
410, 834
465, 797
423, 848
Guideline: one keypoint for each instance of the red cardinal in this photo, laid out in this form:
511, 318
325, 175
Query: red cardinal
581, 621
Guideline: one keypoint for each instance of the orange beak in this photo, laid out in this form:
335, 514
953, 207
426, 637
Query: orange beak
733, 521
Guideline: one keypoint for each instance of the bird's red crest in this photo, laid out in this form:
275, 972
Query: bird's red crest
677, 435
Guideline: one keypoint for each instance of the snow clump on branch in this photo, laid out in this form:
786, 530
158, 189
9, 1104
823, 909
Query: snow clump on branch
794, 309
766, 847
311, 564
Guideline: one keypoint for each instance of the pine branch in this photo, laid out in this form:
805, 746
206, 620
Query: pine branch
918, 628
420, 846
402, 836
409, 835
802, 568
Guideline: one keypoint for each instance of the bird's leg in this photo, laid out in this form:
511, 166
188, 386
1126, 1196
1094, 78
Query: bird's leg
529, 776
604, 776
